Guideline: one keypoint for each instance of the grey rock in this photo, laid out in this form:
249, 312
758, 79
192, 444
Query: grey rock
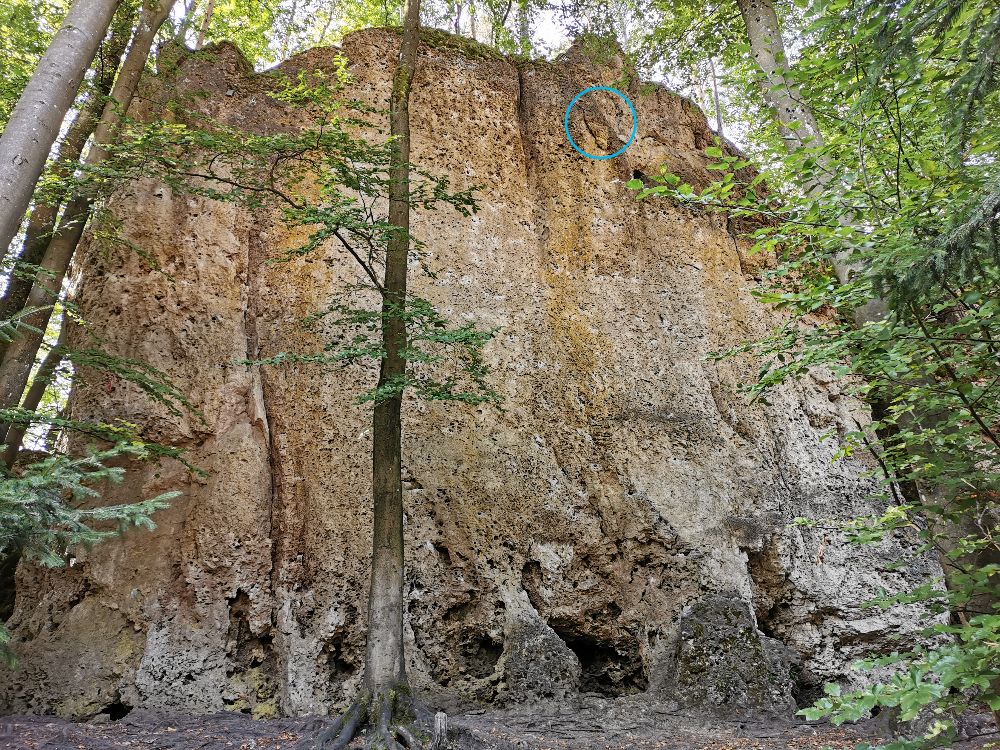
724, 664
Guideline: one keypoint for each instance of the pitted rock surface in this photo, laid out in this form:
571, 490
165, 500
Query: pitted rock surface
556, 547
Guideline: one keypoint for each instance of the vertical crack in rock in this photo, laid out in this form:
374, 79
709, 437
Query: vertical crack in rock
258, 407
528, 151
252, 653
250, 675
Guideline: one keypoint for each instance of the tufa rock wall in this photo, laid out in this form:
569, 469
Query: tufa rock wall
619, 528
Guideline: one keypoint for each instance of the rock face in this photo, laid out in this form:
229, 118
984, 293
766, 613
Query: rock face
618, 528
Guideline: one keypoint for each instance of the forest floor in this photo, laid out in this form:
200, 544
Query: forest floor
608, 727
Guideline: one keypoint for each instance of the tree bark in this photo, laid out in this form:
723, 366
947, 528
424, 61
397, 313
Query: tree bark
800, 129
34, 124
20, 355
10, 558
715, 97
205, 22
39, 384
795, 117
385, 668
287, 42
185, 25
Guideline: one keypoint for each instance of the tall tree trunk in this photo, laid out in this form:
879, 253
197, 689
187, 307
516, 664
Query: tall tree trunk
385, 668
472, 20
20, 355
287, 41
205, 23
10, 558
34, 124
795, 117
42, 220
39, 384
326, 29
715, 97
698, 89
187, 22
800, 129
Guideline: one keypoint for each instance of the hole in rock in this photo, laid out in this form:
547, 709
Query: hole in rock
531, 582
771, 594
340, 665
117, 710
807, 688
480, 654
611, 668
246, 649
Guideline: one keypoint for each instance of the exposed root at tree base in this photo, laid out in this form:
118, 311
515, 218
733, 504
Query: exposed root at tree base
392, 718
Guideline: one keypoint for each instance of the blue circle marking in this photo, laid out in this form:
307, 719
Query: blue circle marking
635, 122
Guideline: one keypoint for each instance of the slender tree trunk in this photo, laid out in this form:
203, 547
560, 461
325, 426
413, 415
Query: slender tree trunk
34, 124
20, 355
10, 558
42, 221
385, 667
326, 29
187, 21
39, 384
800, 129
697, 89
472, 20
205, 23
795, 117
715, 97
287, 41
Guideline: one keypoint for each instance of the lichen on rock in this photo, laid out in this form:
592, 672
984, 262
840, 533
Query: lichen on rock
723, 663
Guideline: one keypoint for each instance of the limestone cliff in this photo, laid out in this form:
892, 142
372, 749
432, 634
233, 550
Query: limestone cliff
619, 527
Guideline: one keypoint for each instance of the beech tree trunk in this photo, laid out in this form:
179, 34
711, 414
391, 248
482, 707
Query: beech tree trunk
187, 22
715, 97
795, 117
34, 124
205, 22
39, 384
800, 129
20, 355
385, 668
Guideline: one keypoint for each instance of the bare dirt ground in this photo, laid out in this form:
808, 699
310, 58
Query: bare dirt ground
608, 726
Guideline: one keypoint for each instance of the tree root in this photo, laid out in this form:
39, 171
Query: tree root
390, 720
